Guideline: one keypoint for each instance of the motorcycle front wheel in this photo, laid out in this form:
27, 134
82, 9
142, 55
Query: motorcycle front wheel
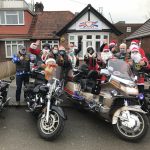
52, 129
133, 129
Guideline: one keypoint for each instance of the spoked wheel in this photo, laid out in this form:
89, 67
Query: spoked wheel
51, 129
133, 128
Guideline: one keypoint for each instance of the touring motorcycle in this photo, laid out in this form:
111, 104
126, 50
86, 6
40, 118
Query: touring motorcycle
43, 99
116, 99
4, 86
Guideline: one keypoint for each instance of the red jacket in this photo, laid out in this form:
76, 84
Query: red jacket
35, 51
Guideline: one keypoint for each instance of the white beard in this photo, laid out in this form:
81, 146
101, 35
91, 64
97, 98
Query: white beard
136, 57
106, 55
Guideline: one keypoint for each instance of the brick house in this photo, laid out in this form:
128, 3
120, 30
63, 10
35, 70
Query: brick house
20, 25
126, 29
143, 34
90, 28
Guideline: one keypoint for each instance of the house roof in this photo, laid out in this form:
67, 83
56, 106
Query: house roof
123, 27
96, 13
47, 23
143, 31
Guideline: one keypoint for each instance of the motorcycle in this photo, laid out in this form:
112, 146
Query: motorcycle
4, 86
116, 100
43, 99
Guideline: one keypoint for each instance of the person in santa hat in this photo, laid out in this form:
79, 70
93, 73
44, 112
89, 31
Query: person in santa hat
138, 63
73, 52
43, 54
106, 54
137, 43
112, 46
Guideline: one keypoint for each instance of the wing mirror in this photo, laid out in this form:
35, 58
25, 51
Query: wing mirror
12, 78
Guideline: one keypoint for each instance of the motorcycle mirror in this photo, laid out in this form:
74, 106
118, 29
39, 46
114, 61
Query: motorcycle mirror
12, 78
105, 72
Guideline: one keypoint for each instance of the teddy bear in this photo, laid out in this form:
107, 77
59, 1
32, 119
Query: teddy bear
49, 68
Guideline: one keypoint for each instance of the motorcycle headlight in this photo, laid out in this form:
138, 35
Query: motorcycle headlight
114, 92
141, 96
58, 91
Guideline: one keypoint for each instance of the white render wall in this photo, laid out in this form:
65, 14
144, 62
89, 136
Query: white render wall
92, 18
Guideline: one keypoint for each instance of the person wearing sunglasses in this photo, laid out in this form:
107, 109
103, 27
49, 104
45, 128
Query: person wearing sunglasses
22, 61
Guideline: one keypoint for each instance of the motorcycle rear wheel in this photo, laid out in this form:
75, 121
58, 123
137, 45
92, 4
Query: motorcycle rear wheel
137, 132
53, 128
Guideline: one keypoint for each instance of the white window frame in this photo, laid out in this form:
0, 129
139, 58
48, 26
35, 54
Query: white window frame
17, 13
11, 44
84, 40
52, 44
129, 29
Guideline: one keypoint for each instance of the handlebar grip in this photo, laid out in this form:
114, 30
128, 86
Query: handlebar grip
5, 81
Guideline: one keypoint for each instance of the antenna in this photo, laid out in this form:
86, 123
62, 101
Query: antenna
111, 18
100, 10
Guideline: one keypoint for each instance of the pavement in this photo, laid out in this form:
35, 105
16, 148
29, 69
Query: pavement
82, 131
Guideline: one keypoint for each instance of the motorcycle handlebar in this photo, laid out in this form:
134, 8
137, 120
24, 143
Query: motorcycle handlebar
5, 81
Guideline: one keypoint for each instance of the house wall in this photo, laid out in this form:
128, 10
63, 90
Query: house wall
17, 29
64, 40
145, 44
2, 51
84, 18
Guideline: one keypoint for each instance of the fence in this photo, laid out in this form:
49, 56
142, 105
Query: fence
6, 69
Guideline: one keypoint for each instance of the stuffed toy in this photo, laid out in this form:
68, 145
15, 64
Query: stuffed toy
49, 68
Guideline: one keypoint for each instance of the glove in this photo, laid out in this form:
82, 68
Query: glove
33, 46
15, 59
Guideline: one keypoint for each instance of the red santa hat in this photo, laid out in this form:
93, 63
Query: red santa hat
50, 60
135, 42
106, 48
112, 43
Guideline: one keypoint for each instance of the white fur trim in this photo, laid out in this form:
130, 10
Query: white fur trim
50, 60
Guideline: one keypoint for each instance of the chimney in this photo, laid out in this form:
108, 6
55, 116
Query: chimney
39, 7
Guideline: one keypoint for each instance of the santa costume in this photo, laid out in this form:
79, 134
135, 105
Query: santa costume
140, 63
90, 58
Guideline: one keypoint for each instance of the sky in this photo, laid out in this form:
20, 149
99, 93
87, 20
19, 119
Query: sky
130, 11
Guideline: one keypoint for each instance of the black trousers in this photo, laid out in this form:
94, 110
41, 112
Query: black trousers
20, 79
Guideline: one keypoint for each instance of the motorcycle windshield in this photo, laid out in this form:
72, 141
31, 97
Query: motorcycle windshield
120, 69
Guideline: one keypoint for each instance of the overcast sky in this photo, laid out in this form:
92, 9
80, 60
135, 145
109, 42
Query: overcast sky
131, 11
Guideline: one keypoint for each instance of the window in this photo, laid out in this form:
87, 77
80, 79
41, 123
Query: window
71, 38
105, 36
97, 46
51, 42
12, 47
89, 36
98, 37
88, 43
11, 18
128, 29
